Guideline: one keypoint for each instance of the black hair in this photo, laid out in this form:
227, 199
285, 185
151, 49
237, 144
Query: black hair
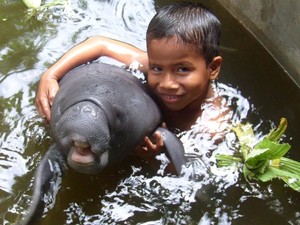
190, 23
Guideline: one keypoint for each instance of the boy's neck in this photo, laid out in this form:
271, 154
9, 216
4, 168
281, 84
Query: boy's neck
184, 119
181, 120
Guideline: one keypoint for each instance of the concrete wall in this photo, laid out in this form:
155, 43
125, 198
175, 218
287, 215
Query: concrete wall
276, 24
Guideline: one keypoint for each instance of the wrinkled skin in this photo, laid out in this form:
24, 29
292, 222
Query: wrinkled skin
100, 114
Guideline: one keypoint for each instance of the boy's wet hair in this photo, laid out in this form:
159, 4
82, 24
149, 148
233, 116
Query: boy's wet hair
190, 23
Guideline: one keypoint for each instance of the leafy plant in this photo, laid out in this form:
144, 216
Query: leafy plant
263, 160
36, 4
35, 7
32, 3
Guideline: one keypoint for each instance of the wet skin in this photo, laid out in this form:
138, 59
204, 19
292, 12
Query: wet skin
180, 78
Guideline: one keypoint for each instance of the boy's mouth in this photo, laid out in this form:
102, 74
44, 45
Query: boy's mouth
169, 98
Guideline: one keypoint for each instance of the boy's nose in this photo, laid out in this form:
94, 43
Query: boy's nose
168, 82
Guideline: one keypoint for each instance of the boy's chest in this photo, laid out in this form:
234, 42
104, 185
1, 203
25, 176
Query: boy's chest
180, 120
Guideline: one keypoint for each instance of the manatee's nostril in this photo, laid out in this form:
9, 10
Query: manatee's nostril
65, 141
75, 109
88, 109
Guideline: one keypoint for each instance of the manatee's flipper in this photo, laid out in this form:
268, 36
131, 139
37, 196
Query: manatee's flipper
174, 149
49, 170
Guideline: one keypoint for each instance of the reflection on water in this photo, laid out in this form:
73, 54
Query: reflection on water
133, 193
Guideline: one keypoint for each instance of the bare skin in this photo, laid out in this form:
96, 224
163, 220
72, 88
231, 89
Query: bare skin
180, 79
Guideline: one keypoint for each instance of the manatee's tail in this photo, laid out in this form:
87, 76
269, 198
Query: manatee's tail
174, 149
49, 170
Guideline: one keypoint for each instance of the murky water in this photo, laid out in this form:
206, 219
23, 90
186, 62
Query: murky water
132, 193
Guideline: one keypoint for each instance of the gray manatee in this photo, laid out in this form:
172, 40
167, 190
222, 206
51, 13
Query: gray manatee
99, 115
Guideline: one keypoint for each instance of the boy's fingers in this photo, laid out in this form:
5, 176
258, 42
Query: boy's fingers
148, 144
51, 95
158, 140
43, 106
164, 125
47, 112
44, 101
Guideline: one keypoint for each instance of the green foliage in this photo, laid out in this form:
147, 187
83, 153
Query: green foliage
32, 3
36, 4
35, 7
264, 160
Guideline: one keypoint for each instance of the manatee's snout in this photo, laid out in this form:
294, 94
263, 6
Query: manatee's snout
83, 158
83, 153
83, 133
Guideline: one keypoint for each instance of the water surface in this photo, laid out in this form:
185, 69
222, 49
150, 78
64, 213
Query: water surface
132, 193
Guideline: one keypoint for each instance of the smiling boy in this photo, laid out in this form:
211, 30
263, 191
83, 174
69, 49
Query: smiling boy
181, 61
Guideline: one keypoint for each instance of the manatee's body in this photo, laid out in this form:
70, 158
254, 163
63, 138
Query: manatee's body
100, 114
105, 111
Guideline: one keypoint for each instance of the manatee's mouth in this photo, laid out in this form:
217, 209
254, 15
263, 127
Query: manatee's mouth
84, 159
81, 153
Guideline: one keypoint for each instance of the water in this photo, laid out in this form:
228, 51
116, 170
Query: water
132, 193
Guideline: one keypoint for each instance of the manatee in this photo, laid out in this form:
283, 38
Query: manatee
99, 115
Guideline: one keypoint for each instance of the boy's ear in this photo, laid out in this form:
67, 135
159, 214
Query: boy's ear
215, 67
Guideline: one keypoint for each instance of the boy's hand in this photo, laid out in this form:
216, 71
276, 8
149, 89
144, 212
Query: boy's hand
156, 146
47, 90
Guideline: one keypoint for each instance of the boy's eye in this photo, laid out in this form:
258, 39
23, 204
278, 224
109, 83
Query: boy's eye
183, 70
156, 69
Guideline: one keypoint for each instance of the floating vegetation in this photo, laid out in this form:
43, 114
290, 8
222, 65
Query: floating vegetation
263, 160
34, 4
35, 7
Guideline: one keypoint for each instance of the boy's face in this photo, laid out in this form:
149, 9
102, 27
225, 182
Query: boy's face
178, 74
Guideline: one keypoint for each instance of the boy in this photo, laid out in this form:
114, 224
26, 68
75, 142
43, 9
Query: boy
181, 61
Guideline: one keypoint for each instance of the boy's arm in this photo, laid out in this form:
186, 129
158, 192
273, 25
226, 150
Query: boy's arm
87, 51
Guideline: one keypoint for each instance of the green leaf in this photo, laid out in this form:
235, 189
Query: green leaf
293, 183
227, 160
264, 161
32, 3
272, 172
275, 150
244, 133
262, 167
288, 171
275, 135
290, 165
265, 150
248, 174
255, 158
